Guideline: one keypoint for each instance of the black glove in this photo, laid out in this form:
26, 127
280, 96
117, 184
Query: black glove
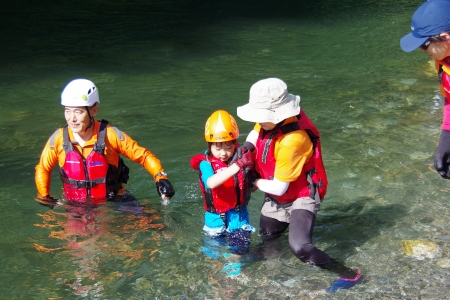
244, 149
47, 201
163, 187
442, 155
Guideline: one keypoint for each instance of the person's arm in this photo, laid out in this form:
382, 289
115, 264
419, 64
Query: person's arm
130, 149
48, 160
442, 154
292, 152
222, 176
446, 117
273, 187
252, 137
206, 170
133, 151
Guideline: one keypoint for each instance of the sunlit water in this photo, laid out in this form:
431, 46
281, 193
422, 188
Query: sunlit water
161, 69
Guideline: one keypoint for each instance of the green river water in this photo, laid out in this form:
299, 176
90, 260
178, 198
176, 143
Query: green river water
162, 67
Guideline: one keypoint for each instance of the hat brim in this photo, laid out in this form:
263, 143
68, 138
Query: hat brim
409, 42
259, 115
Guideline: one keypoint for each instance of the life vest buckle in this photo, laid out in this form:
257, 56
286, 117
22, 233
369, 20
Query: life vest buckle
85, 184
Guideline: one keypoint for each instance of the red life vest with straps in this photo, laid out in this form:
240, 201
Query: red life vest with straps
232, 194
91, 177
312, 181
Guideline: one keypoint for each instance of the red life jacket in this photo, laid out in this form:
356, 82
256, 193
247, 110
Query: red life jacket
443, 69
312, 181
232, 194
91, 177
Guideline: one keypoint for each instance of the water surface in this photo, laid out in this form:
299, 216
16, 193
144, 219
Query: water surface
162, 68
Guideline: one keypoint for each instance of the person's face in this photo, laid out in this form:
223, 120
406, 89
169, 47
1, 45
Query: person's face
77, 117
223, 151
267, 125
438, 48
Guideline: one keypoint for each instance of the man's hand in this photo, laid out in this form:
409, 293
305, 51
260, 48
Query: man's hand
48, 201
165, 189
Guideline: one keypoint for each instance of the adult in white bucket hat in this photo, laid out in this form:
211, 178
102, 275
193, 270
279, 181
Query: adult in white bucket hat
293, 178
88, 153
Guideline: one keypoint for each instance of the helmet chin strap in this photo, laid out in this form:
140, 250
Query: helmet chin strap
90, 117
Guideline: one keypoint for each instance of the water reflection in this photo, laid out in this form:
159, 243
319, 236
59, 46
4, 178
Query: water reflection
98, 246
161, 73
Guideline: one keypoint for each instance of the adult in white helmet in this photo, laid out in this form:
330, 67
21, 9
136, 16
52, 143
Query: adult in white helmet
89, 153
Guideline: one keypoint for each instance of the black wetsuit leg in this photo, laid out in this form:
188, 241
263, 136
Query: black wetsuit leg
300, 241
270, 227
300, 238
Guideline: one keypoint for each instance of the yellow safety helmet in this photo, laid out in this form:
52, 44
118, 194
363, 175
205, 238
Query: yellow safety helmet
221, 127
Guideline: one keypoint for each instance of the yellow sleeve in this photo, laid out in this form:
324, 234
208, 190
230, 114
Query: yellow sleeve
49, 158
292, 152
130, 149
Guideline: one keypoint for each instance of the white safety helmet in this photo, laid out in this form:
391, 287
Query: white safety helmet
80, 92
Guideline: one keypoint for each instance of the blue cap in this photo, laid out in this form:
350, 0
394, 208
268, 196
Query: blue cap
431, 18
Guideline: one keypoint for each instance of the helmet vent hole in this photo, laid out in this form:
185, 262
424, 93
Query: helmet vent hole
91, 90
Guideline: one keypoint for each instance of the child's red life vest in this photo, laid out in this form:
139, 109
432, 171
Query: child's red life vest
232, 194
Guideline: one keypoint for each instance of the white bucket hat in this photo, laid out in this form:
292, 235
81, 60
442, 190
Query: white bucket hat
269, 102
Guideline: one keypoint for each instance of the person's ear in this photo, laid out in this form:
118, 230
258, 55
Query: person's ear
94, 110
445, 36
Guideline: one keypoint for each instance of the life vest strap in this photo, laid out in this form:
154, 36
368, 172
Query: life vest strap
100, 144
274, 202
84, 183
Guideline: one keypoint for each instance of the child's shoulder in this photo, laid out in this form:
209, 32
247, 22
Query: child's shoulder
196, 160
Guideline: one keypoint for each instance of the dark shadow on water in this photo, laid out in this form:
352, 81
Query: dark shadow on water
344, 226
85, 35
350, 225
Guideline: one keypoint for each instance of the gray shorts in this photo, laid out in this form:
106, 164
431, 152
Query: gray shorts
283, 214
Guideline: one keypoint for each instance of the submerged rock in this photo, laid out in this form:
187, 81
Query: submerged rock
420, 249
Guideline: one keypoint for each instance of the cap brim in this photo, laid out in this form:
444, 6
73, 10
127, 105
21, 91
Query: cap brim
409, 42
259, 115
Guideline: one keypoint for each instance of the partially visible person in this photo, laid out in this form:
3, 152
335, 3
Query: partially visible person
225, 189
430, 32
88, 153
293, 177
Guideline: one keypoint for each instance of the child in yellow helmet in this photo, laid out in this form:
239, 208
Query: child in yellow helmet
225, 188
